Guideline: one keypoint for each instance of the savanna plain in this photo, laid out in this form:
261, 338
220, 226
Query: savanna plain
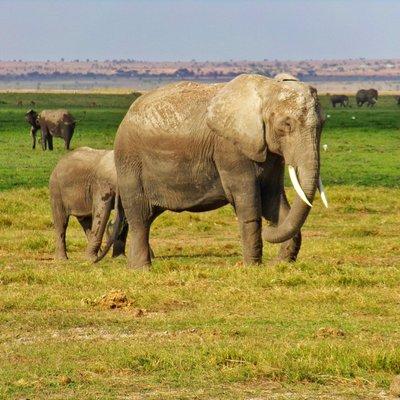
200, 324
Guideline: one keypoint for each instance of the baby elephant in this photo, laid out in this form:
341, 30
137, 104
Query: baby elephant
83, 184
341, 99
52, 123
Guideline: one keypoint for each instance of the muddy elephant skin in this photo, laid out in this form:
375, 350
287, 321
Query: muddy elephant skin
197, 147
83, 184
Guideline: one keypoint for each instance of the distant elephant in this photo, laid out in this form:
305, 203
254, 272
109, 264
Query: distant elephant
369, 96
341, 99
196, 147
32, 118
57, 123
83, 184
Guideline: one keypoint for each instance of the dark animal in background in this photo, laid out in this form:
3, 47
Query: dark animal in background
83, 184
398, 100
341, 99
53, 123
32, 118
369, 96
93, 104
19, 103
33, 103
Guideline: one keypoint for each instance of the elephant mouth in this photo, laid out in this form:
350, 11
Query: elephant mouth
297, 187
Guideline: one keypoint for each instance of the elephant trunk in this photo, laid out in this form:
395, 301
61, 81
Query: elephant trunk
305, 179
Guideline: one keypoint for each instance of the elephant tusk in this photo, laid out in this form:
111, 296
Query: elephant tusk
296, 185
322, 192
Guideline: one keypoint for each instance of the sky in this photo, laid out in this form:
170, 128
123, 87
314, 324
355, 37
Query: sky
215, 30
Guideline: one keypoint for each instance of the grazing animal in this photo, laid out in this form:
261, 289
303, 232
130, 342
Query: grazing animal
341, 99
83, 184
53, 123
19, 103
33, 103
196, 147
369, 96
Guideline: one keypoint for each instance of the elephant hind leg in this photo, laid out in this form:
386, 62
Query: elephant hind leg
50, 141
120, 242
86, 224
60, 221
101, 214
140, 252
67, 142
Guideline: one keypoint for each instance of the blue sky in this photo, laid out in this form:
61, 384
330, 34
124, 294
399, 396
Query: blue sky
170, 30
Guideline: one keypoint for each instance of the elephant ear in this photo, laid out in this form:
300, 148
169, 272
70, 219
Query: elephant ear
235, 113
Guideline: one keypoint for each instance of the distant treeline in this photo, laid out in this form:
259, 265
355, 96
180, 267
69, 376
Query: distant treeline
182, 73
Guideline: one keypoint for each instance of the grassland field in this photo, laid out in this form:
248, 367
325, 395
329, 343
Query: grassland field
200, 325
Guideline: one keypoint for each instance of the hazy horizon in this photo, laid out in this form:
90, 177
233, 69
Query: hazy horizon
203, 30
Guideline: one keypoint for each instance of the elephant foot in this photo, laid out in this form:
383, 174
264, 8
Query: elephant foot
252, 261
60, 257
282, 259
118, 248
91, 256
140, 266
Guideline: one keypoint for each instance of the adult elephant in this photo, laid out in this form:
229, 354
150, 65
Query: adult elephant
341, 99
368, 96
197, 147
53, 123
83, 184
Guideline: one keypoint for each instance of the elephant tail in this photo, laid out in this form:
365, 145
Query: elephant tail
118, 226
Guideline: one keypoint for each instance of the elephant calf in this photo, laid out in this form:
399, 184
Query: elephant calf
341, 99
83, 184
57, 123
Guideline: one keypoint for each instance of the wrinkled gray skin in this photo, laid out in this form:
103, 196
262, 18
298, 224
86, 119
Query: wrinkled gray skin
369, 96
341, 99
83, 184
197, 147
53, 123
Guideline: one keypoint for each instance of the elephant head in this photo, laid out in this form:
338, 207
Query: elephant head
31, 116
282, 116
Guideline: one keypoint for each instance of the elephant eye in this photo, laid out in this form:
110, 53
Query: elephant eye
284, 126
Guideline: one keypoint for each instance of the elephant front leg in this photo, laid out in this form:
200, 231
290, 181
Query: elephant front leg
120, 242
248, 212
33, 135
251, 241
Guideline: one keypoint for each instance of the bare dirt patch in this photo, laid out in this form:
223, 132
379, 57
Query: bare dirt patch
328, 331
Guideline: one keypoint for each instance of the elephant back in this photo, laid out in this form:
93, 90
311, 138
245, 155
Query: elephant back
56, 117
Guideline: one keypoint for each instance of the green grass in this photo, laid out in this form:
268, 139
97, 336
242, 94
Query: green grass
327, 325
